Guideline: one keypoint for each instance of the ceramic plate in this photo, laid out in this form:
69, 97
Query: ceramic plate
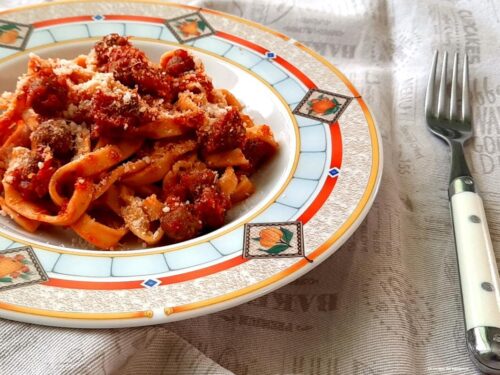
309, 199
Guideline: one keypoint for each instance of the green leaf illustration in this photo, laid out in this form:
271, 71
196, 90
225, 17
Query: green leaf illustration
276, 249
201, 25
256, 239
5, 280
24, 276
287, 235
9, 26
25, 261
331, 111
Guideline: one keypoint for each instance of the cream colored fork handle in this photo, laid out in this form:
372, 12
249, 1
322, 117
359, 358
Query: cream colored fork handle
476, 260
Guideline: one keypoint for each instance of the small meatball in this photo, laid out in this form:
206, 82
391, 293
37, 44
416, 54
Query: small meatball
180, 223
55, 134
226, 133
172, 188
257, 152
31, 176
109, 115
47, 93
114, 54
177, 62
211, 206
196, 180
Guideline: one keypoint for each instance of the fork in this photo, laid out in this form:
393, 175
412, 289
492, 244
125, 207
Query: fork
476, 260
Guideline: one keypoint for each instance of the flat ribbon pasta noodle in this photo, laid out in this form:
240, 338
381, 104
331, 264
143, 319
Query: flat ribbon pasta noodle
231, 99
188, 101
172, 124
164, 128
147, 190
162, 159
11, 115
227, 159
91, 164
244, 189
27, 224
71, 211
228, 181
111, 199
19, 137
117, 173
30, 118
98, 234
135, 215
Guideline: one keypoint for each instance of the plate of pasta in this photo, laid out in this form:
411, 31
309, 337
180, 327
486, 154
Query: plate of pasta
160, 162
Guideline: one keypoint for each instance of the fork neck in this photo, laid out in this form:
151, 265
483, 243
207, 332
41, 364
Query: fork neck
460, 176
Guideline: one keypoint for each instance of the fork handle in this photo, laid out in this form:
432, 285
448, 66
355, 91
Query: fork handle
476, 260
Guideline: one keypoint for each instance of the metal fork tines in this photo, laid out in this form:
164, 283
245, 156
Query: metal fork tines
443, 119
441, 103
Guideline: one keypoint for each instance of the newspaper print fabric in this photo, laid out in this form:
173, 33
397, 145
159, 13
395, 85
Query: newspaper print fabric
388, 302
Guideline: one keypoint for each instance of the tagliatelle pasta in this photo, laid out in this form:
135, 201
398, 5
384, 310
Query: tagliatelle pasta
114, 146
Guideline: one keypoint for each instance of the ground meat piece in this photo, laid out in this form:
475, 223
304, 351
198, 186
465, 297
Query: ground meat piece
194, 181
173, 188
180, 223
47, 94
211, 206
114, 54
226, 133
178, 62
55, 134
257, 152
31, 180
110, 116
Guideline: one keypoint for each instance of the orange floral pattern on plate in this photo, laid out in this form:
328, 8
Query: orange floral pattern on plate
273, 239
189, 27
322, 105
14, 35
20, 267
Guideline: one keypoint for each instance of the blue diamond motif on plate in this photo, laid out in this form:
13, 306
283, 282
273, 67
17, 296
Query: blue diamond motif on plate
334, 172
270, 55
151, 283
98, 17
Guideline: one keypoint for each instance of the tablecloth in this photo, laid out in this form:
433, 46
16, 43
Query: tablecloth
387, 302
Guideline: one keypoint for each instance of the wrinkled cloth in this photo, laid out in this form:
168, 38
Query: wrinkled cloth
388, 302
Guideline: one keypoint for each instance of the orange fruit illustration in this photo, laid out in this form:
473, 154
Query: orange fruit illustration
9, 266
190, 28
320, 106
269, 237
9, 36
